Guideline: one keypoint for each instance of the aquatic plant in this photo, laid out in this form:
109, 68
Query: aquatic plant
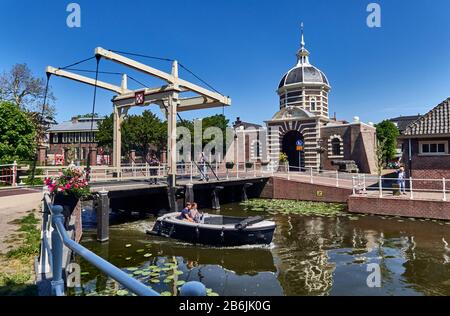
294, 207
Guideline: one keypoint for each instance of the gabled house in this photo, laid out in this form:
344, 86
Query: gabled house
426, 150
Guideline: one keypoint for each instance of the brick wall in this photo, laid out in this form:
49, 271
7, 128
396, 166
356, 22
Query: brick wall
426, 167
359, 145
277, 188
399, 207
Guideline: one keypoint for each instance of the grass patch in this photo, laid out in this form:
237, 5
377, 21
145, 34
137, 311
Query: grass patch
295, 207
16, 267
31, 238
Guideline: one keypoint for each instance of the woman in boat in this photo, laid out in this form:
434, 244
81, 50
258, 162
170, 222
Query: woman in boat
195, 214
185, 214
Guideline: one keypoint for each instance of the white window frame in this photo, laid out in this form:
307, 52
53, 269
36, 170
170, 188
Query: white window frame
433, 142
330, 147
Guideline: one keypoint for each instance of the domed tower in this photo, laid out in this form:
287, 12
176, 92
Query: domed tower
305, 86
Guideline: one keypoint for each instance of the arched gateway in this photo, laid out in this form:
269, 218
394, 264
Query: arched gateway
293, 147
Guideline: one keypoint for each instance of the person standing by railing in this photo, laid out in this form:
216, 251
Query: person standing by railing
203, 164
401, 179
154, 164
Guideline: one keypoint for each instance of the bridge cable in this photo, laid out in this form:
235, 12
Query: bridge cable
77, 63
171, 60
41, 121
88, 169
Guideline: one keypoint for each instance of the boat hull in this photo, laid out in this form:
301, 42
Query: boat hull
215, 236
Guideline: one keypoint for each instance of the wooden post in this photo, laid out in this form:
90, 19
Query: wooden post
102, 216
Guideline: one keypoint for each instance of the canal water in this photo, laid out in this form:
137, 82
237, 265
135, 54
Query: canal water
310, 255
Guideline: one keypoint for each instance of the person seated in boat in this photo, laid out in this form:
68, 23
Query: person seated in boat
185, 213
195, 214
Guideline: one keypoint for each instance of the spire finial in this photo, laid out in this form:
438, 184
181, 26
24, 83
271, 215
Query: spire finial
302, 54
303, 35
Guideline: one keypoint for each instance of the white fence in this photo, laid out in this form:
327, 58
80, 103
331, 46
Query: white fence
8, 174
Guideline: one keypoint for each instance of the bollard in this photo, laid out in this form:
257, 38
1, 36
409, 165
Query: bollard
193, 288
244, 192
102, 211
57, 282
189, 197
215, 198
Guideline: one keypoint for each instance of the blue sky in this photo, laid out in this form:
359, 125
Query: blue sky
243, 48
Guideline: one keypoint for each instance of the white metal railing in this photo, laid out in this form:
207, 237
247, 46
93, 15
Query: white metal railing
54, 238
108, 173
412, 188
8, 174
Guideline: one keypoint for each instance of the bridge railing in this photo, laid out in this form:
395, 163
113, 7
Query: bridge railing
54, 238
108, 173
8, 174
195, 171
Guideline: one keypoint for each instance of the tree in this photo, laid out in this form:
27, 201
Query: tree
139, 132
21, 88
17, 134
142, 131
380, 155
104, 135
387, 134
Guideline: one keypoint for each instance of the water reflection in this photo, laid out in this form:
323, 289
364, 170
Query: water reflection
309, 256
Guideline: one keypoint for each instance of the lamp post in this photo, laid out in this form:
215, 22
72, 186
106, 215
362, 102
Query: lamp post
320, 151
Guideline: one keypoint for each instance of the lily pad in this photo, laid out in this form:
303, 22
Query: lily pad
167, 280
147, 255
180, 282
128, 245
132, 269
166, 294
154, 280
140, 250
122, 292
128, 258
212, 294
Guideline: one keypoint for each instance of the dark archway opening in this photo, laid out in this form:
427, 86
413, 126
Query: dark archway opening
296, 158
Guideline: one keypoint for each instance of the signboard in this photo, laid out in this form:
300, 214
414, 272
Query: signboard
319, 193
140, 98
299, 145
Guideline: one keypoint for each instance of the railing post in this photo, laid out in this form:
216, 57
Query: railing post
337, 179
380, 186
411, 187
311, 175
191, 175
57, 252
353, 185
237, 170
288, 172
14, 175
364, 184
444, 190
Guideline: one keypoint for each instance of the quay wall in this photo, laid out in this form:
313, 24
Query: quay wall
279, 188
399, 207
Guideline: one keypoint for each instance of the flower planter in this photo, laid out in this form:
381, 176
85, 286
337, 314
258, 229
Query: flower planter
229, 165
68, 202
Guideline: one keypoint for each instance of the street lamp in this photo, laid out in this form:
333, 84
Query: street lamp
320, 151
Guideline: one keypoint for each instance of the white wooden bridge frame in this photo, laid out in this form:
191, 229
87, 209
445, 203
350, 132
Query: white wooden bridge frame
166, 96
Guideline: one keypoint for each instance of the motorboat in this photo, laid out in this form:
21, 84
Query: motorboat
216, 230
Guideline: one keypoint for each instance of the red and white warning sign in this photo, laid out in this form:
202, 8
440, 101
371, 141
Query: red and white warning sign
140, 97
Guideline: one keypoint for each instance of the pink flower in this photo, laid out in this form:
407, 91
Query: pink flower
68, 186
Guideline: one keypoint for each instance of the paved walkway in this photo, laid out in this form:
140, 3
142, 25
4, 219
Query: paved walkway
15, 204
